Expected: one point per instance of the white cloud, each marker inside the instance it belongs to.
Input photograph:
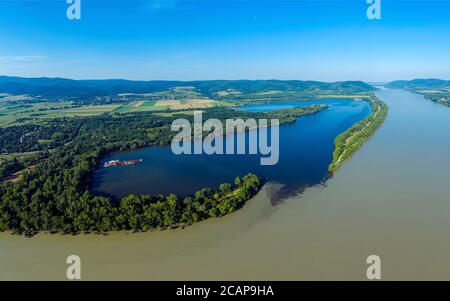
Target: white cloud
(22, 58)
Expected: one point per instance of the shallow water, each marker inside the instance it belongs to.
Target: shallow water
(390, 199)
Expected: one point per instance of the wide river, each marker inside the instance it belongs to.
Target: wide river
(390, 199)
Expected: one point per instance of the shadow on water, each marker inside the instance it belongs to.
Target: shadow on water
(284, 191)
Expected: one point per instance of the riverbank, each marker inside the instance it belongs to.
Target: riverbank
(123, 255)
(352, 139)
(397, 208)
(442, 98)
(382, 201)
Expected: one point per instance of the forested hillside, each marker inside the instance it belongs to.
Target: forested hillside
(60, 87)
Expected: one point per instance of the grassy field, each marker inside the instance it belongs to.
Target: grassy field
(4, 97)
(187, 104)
(17, 155)
(84, 111)
(140, 106)
(18, 113)
(15, 114)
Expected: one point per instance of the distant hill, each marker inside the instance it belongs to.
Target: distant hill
(416, 84)
(436, 90)
(62, 87)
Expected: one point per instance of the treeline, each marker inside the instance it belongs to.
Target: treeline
(99, 214)
(352, 139)
(291, 115)
(442, 98)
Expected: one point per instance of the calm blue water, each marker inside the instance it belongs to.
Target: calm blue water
(306, 149)
(288, 105)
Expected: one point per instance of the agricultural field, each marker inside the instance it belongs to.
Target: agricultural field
(189, 104)
(13, 113)
(5, 97)
(25, 112)
(84, 111)
(140, 106)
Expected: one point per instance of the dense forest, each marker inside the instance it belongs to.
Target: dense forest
(53, 195)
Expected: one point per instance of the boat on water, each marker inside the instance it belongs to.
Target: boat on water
(113, 163)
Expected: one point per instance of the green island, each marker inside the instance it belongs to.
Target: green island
(352, 139)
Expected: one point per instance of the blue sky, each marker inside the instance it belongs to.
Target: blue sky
(190, 40)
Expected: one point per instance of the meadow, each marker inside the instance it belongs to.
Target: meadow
(20, 113)
(13, 113)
